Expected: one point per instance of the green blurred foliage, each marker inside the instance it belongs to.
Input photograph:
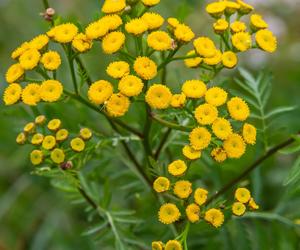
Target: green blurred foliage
(36, 216)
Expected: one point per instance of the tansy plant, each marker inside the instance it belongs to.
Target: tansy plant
(211, 123)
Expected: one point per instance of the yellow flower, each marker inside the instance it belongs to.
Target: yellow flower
(200, 196)
(96, 30)
(184, 33)
(157, 245)
(85, 133)
(238, 109)
(206, 114)
(30, 59)
(37, 139)
(82, 43)
(192, 62)
(14, 73)
(178, 100)
(194, 89)
(214, 217)
(219, 155)
(231, 7)
(51, 60)
(266, 40)
(118, 69)
(153, 20)
(252, 204)
(161, 184)
(150, 2)
(216, 9)
(205, 47)
(244, 7)
(234, 146)
(113, 6)
(77, 144)
(159, 40)
(241, 41)
(29, 128)
(238, 208)
(54, 124)
(49, 142)
(39, 120)
(57, 156)
(168, 213)
(51, 90)
(136, 26)
(216, 96)
(177, 168)
(220, 26)
(100, 91)
(36, 157)
(183, 189)
(173, 22)
(145, 68)
(229, 59)
(117, 105)
(130, 86)
(249, 133)
(31, 94)
(21, 138)
(257, 22)
(159, 96)
(200, 138)
(65, 33)
(238, 26)
(112, 21)
(113, 42)
(216, 59)
(222, 128)
(242, 195)
(12, 94)
(173, 245)
(193, 213)
(62, 135)
(20, 50)
(190, 153)
(39, 42)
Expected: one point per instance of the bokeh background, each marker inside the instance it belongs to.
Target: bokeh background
(34, 215)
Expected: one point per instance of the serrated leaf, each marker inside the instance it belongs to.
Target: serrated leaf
(278, 111)
(294, 174)
(294, 148)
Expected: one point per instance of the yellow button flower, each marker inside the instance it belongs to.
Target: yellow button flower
(64, 33)
(30, 59)
(205, 47)
(238, 208)
(194, 89)
(86, 133)
(216, 59)
(100, 91)
(184, 33)
(200, 138)
(136, 26)
(161, 184)
(178, 100)
(219, 154)
(37, 139)
(173, 245)
(241, 41)
(229, 59)
(257, 22)
(159, 40)
(118, 69)
(222, 128)
(216, 96)
(39, 42)
(49, 142)
(39, 120)
(14, 73)
(249, 133)
(238, 109)
(77, 144)
(159, 96)
(117, 105)
(113, 6)
(150, 3)
(234, 146)
(54, 124)
(192, 62)
(61, 135)
(238, 26)
(130, 86)
(177, 168)
(168, 213)
(145, 68)
(113, 42)
(21, 138)
(12, 94)
(51, 60)
(183, 189)
(266, 40)
(216, 9)
(220, 26)
(96, 30)
(244, 7)
(36, 157)
(206, 114)
(29, 128)
(82, 43)
(51, 90)
(214, 217)
(31, 94)
(193, 213)
(153, 20)
(57, 156)
(200, 196)
(157, 245)
(242, 195)
(190, 153)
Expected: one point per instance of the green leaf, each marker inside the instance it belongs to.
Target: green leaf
(279, 111)
(294, 148)
(294, 174)
(95, 229)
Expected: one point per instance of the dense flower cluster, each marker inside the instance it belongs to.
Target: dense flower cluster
(54, 147)
(218, 121)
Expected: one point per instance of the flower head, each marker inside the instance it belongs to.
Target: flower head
(51, 60)
(157, 245)
(77, 144)
(14, 73)
(216, 59)
(57, 156)
(113, 6)
(159, 96)
(64, 33)
(257, 22)
(130, 86)
(136, 26)
(216, 96)
(159, 40)
(214, 217)
(184, 33)
(190, 153)
(118, 69)
(36, 157)
(216, 9)
(173, 245)
(117, 105)
(37, 139)
(234, 146)
(85, 133)
(229, 59)
(220, 26)
(238, 109)
(178, 100)
(252, 204)
(206, 114)
(30, 59)
(161, 184)
(153, 20)
(194, 89)
(150, 3)
(249, 133)
(54, 124)
(222, 128)
(183, 189)
(145, 68)
(49, 142)
(31, 94)
(193, 212)
(62, 135)
(200, 196)
(241, 41)
(113, 42)
(266, 40)
(82, 43)
(168, 213)
(192, 62)
(219, 154)
(205, 47)
(96, 30)
(51, 90)
(238, 26)
(200, 138)
(12, 94)
(242, 195)
(39, 42)
(177, 168)
(238, 208)
(100, 91)
(244, 7)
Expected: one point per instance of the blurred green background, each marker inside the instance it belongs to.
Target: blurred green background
(34, 215)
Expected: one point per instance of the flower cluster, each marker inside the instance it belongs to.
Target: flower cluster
(54, 147)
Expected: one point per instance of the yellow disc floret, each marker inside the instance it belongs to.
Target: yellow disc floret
(159, 40)
(145, 68)
(238, 109)
(194, 89)
(222, 128)
(118, 69)
(193, 213)
(12, 94)
(117, 105)
(242, 195)
(100, 91)
(238, 208)
(113, 42)
(31, 94)
(51, 60)
(200, 196)
(206, 114)
(161, 184)
(183, 189)
(177, 168)
(266, 40)
(14, 73)
(168, 213)
(249, 133)
(159, 96)
(130, 86)
(30, 59)
(200, 138)
(234, 146)
(215, 217)
(77, 144)
(51, 90)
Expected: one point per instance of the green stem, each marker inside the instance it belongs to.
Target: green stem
(83, 69)
(72, 69)
(170, 124)
(162, 143)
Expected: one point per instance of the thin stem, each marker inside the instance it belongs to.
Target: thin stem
(168, 59)
(170, 124)
(253, 166)
(72, 69)
(46, 4)
(162, 143)
(83, 69)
